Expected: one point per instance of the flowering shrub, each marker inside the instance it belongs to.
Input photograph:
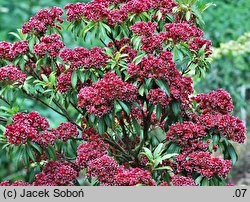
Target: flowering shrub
(132, 116)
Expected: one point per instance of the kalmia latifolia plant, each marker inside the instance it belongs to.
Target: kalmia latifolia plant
(131, 115)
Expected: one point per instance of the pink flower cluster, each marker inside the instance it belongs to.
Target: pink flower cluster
(56, 174)
(182, 181)
(152, 67)
(98, 10)
(82, 57)
(150, 41)
(219, 101)
(197, 43)
(9, 51)
(43, 20)
(105, 168)
(158, 96)
(64, 82)
(132, 177)
(50, 45)
(227, 125)
(16, 183)
(66, 130)
(188, 136)
(99, 98)
(205, 164)
(10, 74)
(182, 31)
(29, 126)
(89, 151)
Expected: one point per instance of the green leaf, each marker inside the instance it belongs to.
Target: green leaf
(125, 107)
(199, 179)
(101, 126)
(163, 85)
(168, 156)
(232, 153)
(188, 15)
(205, 182)
(74, 79)
(136, 126)
(158, 111)
(164, 168)
(158, 150)
(30, 153)
(148, 153)
(176, 108)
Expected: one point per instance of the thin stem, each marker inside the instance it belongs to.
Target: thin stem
(6, 101)
(2, 119)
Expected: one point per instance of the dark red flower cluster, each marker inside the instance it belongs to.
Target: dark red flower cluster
(182, 31)
(50, 45)
(116, 16)
(64, 83)
(82, 57)
(89, 151)
(10, 74)
(205, 164)
(132, 177)
(125, 47)
(104, 168)
(99, 98)
(66, 130)
(95, 11)
(150, 41)
(227, 125)
(197, 43)
(137, 6)
(90, 135)
(152, 67)
(158, 96)
(42, 20)
(144, 28)
(9, 51)
(56, 174)
(29, 126)
(188, 136)
(19, 48)
(5, 50)
(182, 181)
(16, 183)
(75, 11)
(219, 101)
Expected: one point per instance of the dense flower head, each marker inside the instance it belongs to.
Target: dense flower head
(158, 96)
(82, 57)
(227, 125)
(133, 177)
(136, 6)
(205, 164)
(188, 136)
(218, 100)
(42, 20)
(5, 50)
(99, 98)
(56, 174)
(50, 45)
(16, 183)
(19, 48)
(64, 83)
(152, 67)
(182, 31)
(153, 42)
(74, 11)
(144, 28)
(116, 16)
(90, 135)
(89, 151)
(66, 130)
(182, 181)
(95, 11)
(11, 74)
(104, 168)
(197, 43)
(29, 126)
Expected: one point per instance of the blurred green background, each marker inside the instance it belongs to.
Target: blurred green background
(227, 25)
